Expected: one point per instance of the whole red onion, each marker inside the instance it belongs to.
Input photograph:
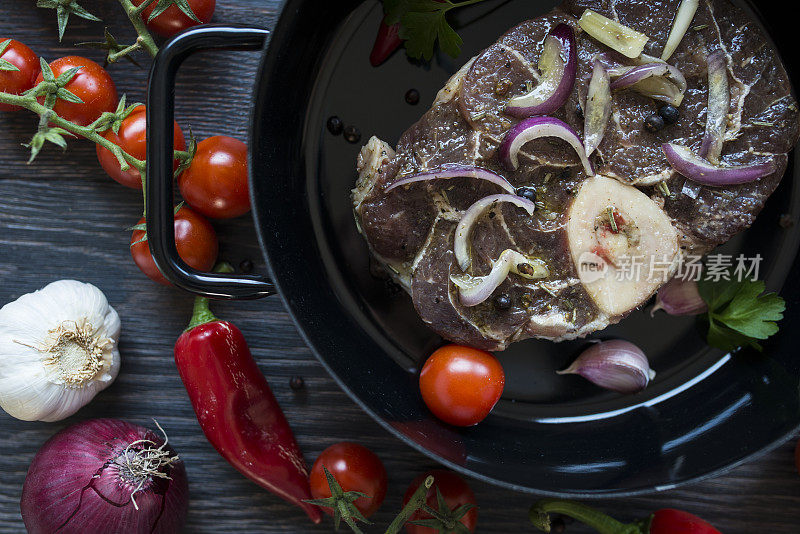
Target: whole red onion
(105, 475)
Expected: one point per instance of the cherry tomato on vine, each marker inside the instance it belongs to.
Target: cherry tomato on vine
(356, 468)
(17, 82)
(132, 138)
(215, 184)
(456, 493)
(461, 385)
(92, 84)
(173, 20)
(196, 241)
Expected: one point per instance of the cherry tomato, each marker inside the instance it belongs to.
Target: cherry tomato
(133, 140)
(356, 468)
(461, 385)
(454, 489)
(17, 81)
(196, 240)
(215, 184)
(92, 84)
(173, 20)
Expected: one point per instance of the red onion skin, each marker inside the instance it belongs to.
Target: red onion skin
(455, 171)
(61, 494)
(504, 152)
(565, 36)
(714, 136)
(706, 173)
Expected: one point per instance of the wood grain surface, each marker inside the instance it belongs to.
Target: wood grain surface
(63, 218)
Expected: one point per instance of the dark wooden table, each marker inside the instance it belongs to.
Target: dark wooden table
(63, 218)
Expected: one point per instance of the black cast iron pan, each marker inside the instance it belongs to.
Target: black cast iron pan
(706, 411)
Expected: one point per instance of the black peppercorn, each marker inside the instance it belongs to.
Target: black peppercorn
(335, 125)
(412, 97)
(352, 134)
(669, 113)
(297, 383)
(528, 193)
(503, 302)
(579, 110)
(246, 266)
(654, 123)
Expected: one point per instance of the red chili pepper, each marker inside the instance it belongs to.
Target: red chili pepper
(670, 521)
(666, 521)
(237, 410)
(387, 41)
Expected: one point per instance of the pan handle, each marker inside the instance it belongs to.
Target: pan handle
(159, 195)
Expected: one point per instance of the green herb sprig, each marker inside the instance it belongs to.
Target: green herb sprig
(740, 313)
(423, 23)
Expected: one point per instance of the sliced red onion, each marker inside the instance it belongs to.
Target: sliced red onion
(719, 100)
(679, 297)
(105, 475)
(648, 70)
(536, 128)
(472, 290)
(455, 172)
(559, 66)
(598, 108)
(661, 89)
(617, 365)
(656, 80)
(614, 35)
(680, 26)
(473, 213)
(701, 171)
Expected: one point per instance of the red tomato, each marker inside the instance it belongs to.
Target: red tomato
(17, 81)
(173, 20)
(196, 240)
(454, 489)
(215, 184)
(356, 468)
(92, 84)
(132, 139)
(461, 385)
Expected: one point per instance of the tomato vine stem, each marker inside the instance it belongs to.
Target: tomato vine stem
(145, 40)
(47, 115)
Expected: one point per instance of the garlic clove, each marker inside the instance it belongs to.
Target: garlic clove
(679, 297)
(617, 365)
(58, 349)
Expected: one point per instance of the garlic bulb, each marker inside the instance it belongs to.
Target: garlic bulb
(58, 349)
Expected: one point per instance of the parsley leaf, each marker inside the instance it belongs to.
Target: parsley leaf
(740, 313)
(423, 23)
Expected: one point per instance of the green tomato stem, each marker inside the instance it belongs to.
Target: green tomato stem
(134, 14)
(113, 57)
(417, 500)
(47, 115)
(345, 514)
(540, 512)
